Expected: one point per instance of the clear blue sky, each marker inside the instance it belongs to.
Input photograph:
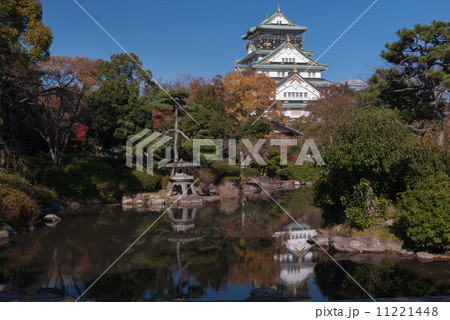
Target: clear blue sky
(202, 38)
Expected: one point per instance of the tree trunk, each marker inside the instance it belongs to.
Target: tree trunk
(175, 141)
(175, 137)
(439, 123)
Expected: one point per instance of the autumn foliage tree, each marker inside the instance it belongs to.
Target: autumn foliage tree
(206, 107)
(249, 94)
(61, 102)
(336, 104)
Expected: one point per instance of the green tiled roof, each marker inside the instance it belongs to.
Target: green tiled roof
(283, 27)
(307, 52)
(250, 55)
(268, 26)
(290, 66)
(274, 27)
(321, 82)
(266, 21)
(294, 104)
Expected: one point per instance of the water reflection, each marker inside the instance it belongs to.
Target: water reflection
(183, 221)
(200, 253)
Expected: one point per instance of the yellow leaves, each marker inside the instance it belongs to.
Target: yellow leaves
(22, 30)
(249, 94)
(38, 38)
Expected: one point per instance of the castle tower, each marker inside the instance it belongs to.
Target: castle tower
(274, 47)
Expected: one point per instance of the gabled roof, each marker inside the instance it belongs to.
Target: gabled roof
(299, 77)
(268, 25)
(285, 44)
(282, 128)
(315, 83)
(253, 53)
(274, 15)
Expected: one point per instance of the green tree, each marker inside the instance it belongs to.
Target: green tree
(24, 39)
(120, 104)
(22, 32)
(206, 107)
(170, 102)
(371, 146)
(418, 80)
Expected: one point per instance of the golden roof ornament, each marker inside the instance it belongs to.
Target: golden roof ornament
(287, 38)
(278, 8)
(267, 15)
(295, 68)
(236, 64)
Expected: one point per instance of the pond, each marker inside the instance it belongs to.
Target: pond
(219, 252)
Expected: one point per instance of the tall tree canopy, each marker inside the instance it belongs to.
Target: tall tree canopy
(119, 104)
(24, 39)
(206, 107)
(418, 80)
(21, 30)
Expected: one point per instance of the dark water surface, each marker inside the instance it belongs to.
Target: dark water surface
(215, 253)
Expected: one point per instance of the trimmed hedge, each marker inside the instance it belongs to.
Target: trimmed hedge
(223, 169)
(424, 213)
(250, 172)
(234, 180)
(304, 172)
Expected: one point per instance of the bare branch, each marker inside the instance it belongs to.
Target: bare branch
(412, 127)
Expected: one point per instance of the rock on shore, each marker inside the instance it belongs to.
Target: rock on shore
(363, 244)
(348, 245)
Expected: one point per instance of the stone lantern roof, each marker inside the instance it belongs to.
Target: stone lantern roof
(181, 164)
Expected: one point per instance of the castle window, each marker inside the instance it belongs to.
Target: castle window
(305, 94)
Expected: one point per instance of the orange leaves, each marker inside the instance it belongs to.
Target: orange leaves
(76, 71)
(249, 94)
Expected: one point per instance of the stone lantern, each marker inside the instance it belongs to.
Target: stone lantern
(181, 178)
